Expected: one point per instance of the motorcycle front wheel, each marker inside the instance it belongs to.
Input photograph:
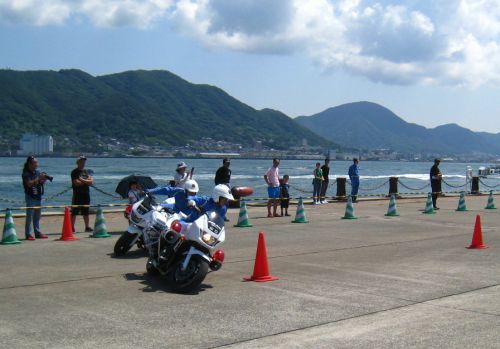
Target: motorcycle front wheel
(123, 244)
(184, 281)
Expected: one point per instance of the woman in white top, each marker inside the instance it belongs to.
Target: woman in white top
(181, 175)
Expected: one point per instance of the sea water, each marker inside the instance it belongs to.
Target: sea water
(109, 171)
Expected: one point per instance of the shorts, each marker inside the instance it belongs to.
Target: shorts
(80, 200)
(273, 192)
(285, 202)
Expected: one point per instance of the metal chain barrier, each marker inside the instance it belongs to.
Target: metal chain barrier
(370, 189)
(489, 186)
(455, 186)
(10, 201)
(300, 189)
(52, 197)
(417, 189)
(106, 193)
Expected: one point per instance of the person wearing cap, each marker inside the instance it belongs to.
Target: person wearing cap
(181, 175)
(81, 180)
(435, 176)
(223, 174)
(354, 177)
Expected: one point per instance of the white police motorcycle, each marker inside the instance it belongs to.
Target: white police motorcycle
(182, 252)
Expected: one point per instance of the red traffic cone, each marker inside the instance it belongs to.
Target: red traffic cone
(67, 228)
(260, 268)
(477, 237)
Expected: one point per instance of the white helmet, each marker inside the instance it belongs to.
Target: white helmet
(222, 190)
(191, 185)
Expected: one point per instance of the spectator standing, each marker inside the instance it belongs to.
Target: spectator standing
(436, 177)
(354, 177)
(223, 174)
(181, 175)
(81, 180)
(284, 195)
(272, 179)
(134, 192)
(326, 171)
(33, 181)
(317, 183)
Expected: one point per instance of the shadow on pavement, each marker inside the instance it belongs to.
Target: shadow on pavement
(158, 284)
(134, 254)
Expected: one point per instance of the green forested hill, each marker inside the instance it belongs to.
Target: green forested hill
(138, 107)
(368, 125)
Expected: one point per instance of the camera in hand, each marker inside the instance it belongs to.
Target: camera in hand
(50, 178)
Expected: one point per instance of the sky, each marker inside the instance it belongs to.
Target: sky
(430, 62)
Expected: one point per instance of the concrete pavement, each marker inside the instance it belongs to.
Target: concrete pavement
(400, 282)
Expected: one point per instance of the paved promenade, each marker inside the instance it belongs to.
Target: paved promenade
(374, 282)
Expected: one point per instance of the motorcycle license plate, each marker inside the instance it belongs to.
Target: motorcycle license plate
(214, 228)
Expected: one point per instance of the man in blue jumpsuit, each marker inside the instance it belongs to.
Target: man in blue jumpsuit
(217, 203)
(354, 177)
(181, 196)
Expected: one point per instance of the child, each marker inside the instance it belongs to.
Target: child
(284, 194)
(134, 192)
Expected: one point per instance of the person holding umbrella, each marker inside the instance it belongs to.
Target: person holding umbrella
(131, 187)
(134, 193)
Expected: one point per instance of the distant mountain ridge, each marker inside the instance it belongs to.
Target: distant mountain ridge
(138, 107)
(366, 125)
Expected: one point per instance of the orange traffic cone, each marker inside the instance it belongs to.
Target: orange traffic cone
(67, 228)
(260, 268)
(477, 237)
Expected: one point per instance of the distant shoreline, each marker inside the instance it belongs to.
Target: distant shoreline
(218, 158)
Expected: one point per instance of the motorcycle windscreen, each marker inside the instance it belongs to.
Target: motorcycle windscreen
(215, 222)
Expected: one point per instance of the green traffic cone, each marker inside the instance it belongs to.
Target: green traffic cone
(349, 209)
(9, 236)
(100, 230)
(243, 221)
(392, 211)
(461, 203)
(429, 209)
(491, 203)
(300, 215)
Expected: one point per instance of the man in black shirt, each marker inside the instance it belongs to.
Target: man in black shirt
(223, 174)
(436, 176)
(324, 186)
(80, 181)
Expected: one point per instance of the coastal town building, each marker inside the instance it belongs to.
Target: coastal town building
(33, 144)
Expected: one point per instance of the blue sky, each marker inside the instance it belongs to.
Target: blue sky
(431, 62)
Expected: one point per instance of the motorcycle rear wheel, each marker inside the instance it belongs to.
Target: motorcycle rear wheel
(184, 281)
(123, 244)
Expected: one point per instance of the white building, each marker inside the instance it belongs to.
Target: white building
(35, 144)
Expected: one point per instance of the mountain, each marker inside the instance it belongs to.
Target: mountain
(135, 107)
(365, 125)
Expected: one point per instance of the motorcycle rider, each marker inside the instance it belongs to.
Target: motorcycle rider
(181, 196)
(218, 202)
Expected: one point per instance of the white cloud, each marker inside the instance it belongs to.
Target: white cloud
(104, 13)
(34, 11)
(395, 42)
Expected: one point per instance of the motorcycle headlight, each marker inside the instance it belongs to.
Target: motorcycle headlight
(208, 239)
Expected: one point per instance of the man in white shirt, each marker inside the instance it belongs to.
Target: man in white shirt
(272, 179)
